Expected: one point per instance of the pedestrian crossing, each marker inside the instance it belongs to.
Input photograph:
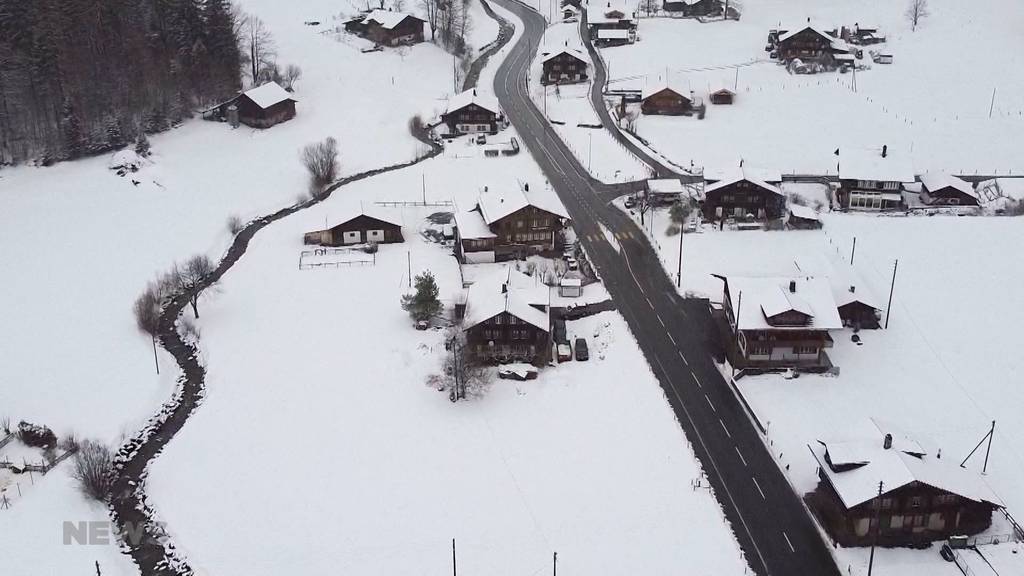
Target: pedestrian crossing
(619, 235)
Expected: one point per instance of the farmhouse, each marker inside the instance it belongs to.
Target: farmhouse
(872, 179)
(692, 8)
(610, 16)
(260, 107)
(809, 44)
(923, 498)
(780, 322)
(742, 195)
(668, 98)
(564, 67)
(507, 318)
(938, 189)
(508, 224)
(360, 227)
(388, 28)
(470, 112)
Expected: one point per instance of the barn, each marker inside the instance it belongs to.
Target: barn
(361, 227)
(723, 96)
(261, 107)
(667, 98)
(387, 28)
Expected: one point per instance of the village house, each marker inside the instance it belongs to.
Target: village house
(509, 224)
(873, 179)
(742, 195)
(779, 322)
(259, 107)
(882, 484)
(469, 112)
(565, 66)
(388, 28)
(609, 16)
(939, 189)
(693, 8)
(857, 306)
(507, 318)
(810, 44)
(672, 98)
(361, 226)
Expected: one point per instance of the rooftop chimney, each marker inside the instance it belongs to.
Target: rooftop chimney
(526, 187)
(887, 443)
(853, 289)
(792, 286)
(504, 287)
(808, 19)
(885, 150)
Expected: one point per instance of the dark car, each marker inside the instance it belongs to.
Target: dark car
(582, 353)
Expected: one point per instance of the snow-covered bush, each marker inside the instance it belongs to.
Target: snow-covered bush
(35, 435)
(94, 470)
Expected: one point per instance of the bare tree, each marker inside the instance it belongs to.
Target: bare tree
(291, 75)
(463, 375)
(398, 5)
(432, 11)
(321, 159)
(191, 278)
(94, 470)
(148, 307)
(916, 10)
(258, 43)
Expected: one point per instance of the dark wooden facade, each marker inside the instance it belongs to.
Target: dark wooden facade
(359, 230)
(251, 114)
(564, 68)
(741, 198)
(667, 102)
(947, 196)
(505, 337)
(859, 315)
(722, 96)
(692, 9)
(471, 118)
(408, 31)
(912, 514)
(528, 230)
(808, 45)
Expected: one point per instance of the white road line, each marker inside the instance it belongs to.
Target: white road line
(695, 379)
(791, 549)
(684, 360)
(740, 454)
(649, 302)
(763, 497)
(724, 428)
(710, 404)
(662, 323)
(672, 339)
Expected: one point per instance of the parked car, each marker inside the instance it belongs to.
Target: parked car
(481, 139)
(518, 371)
(630, 202)
(573, 263)
(582, 352)
(564, 353)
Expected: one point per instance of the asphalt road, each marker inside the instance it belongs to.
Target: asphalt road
(772, 526)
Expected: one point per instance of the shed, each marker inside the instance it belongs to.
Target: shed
(671, 98)
(723, 96)
(803, 218)
(262, 106)
(570, 287)
(945, 189)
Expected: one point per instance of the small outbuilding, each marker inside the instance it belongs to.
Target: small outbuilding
(938, 189)
(570, 287)
(723, 96)
(259, 107)
(363, 227)
(803, 218)
(388, 28)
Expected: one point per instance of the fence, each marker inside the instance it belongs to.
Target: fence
(396, 204)
(359, 258)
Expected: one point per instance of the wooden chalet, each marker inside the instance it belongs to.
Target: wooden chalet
(260, 107)
(939, 189)
(723, 96)
(609, 16)
(781, 322)
(743, 196)
(809, 44)
(923, 497)
(388, 28)
(469, 112)
(873, 179)
(667, 98)
(566, 66)
(693, 8)
(857, 306)
(359, 227)
(507, 319)
(509, 224)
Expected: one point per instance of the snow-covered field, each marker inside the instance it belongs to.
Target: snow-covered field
(932, 102)
(319, 431)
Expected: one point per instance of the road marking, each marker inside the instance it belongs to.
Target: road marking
(695, 379)
(649, 303)
(710, 404)
(763, 497)
(663, 324)
(684, 361)
(740, 454)
(791, 549)
(672, 339)
(724, 428)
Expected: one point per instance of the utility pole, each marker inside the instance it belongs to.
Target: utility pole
(554, 565)
(408, 255)
(874, 541)
(739, 306)
(455, 571)
(992, 105)
(891, 289)
(736, 82)
(424, 176)
(679, 271)
(991, 435)
(590, 149)
(854, 251)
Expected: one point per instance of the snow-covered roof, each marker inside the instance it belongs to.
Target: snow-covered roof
(471, 226)
(266, 95)
(575, 53)
(508, 290)
(497, 204)
(847, 285)
(796, 31)
(353, 211)
(388, 19)
(598, 11)
(861, 164)
(803, 212)
(743, 168)
(905, 462)
(770, 296)
(665, 186)
(679, 86)
(571, 282)
(612, 34)
(472, 96)
(742, 174)
(937, 180)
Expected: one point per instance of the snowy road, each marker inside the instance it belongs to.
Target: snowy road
(771, 524)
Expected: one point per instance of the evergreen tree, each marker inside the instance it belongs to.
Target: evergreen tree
(115, 136)
(71, 128)
(423, 304)
(142, 147)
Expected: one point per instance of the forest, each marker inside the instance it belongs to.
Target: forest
(81, 77)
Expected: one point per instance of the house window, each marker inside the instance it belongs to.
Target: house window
(896, 522)
(760, 350)
(945, 499)
(805, 349)
(890, 186)
(886, 503)
(915, 501)
(519, 223)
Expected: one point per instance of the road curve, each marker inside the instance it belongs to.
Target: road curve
(773, 528)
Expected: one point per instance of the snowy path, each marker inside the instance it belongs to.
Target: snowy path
(155, 555)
